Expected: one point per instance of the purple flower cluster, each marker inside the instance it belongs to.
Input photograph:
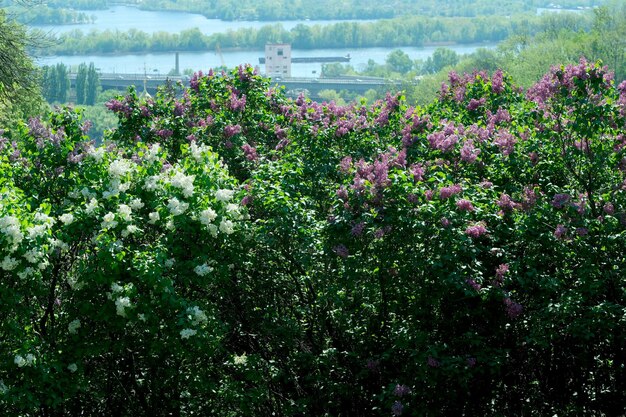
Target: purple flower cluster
(477, 230)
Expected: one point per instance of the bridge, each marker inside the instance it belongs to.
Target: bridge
(293, 86)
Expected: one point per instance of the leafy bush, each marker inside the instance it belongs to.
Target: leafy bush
(232, 252)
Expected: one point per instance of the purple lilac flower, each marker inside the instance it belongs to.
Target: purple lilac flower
(476, 230)
(513, 309)
(345, 165)
(432, 362)
(447, 192)
(397, 408)
(582, 231)
(476, 286)
(468, 152)
(497, 82)
(560, 200)
(560, 231)
(231, 130)
(401, 390)
(609, 208)
(357, 229)
(505, 141)
(341, 250)
(506, 204)
(464, 205)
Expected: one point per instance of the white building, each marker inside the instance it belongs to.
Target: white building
(278, 60)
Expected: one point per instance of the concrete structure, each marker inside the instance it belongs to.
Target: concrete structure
(278, 60)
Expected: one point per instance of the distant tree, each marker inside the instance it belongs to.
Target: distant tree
(81, 81)
(91, 87)
(399, 61)
(442, 57)
(62, 83)
(20, 94)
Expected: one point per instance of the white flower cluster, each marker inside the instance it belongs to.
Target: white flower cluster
(119, 168)
(154, 217)
(203, 270)
(10, 227)
(224, 195)
(124, 212)
(184, 182)
(20, 361)
(197, 151)
(3, 387)
(72, 367)
(197, 315)
(151, 183)
(33, 255)
(91, 206)
(96, 153)
(66, 218)
(40, 229)
(108, 221)
(73, 326)
(9, 263)
(207, 216)
(177, 207)
(187, 333)
(131, 229)
(226, 226)
(136, 204)
(26, 272)
(121, 304)
(152, 154)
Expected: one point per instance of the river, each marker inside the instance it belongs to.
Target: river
(125, 17)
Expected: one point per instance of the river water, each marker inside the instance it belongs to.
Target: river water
(125, 17)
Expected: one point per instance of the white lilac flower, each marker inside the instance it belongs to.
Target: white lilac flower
(124, 187)
(108, 221)
(43, 264)
(240, 360)
(187, 333)
(170, 225)
(96, 153)
(197, 151)
(119, 168)
(184, 182)
(26, 272)
(9, 263)
(213, 230)
(151, 183)
(141, 316)
(33, 256)
(154, 217)
(153, 153)
(91, 206)
(19, 361)
(66, 218)
(197, 315)
(130, 229)
(86, 193)
(177, 207)
(226, 226)
(169, 263)
(207, 216)
(30, 359)
(10, 226)
(44, 218)
(203, 270)
(72, 367)
(115, 288)
(58, 243)
(125, 212)
(136, 204)
(73, 326)
(3, 387)
(37, 231)
(224, 195)
(121, 304)
(233, 211)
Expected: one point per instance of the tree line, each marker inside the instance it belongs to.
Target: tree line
(55, 84)
(406, 31)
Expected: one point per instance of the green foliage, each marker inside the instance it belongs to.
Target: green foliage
(232, 252)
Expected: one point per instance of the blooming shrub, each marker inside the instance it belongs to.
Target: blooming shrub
(232, 252)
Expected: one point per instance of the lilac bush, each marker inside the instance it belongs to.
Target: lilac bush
(229, 251)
